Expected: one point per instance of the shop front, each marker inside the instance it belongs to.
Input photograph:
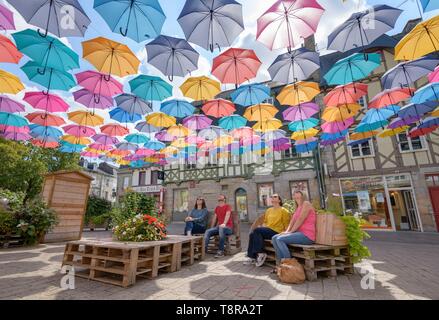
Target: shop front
(383, 202)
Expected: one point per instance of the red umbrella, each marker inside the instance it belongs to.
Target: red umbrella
(346, 94)
(418, 132)
(218, 108)
(114, 130)
(8, 51)
(236, 66)
(390, 97)
(44, 144)
(79, 131)
(46, 102)
(45, 119)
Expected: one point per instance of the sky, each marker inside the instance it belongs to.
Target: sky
(336, 12)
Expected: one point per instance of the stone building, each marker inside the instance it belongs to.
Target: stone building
(104, 184)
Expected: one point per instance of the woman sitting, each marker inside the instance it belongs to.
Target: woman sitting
(301, 230)
(196, 221)
(275, 220)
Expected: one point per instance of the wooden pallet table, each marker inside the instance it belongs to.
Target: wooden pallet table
(120, 263)
(316, 259)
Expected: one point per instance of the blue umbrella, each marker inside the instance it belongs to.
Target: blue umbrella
(68, 147)
(429, 122)
(137, 138)
(124, 117)
(232, 122)
(177, 108)
(155, 145)
(357, 142)
(334, 136)
(427, 93)
(429, 5)
(306, 147)
(303, 124)
(40, 132)
(353, 68)
(150, 88)
(382, 114)
(371, 126)
(250, 94)
(50, 79)
(416, 110)
(137, 19)
(138, 164)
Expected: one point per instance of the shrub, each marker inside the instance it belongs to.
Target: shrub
(355, 236)
(140, 228)
(8, 222)
(132, 204)
(290, 205)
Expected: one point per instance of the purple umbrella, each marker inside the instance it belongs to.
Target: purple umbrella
(164, 136)
(398, 122)
(279, 144)
(332, 142)
(197, 122)
(301, 112)
(88, 99)
(10, 106)
(17, 136)
(417, 110)
(337, 126)
(104, 139)
(6, 19)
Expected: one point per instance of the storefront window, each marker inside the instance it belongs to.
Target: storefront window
(181, 201)
(265, 190)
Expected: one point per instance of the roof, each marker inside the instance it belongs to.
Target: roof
(63, 172)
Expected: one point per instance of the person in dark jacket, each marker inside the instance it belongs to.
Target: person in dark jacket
(196, 221)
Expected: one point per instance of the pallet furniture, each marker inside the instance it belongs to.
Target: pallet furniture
(121, 263)
(232, 243)
(316, 259)
(10, 241)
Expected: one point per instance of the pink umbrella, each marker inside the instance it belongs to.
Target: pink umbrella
(197, 122)
(44, 144)
(79, 131)
(46, 102)
(89, 100)
(10, 106)
(96, 82)
(100, 147)
(337, 126)
(105, 139)
(247, 141)
(434, 76)
(17, 136)
(301, 112)
(144, 152)
(6, 19)
(5, 128)
(89, 154)
(194, 140)
(242, 133)
(288, 22)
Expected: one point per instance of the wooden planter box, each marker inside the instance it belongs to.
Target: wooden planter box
(331, 230)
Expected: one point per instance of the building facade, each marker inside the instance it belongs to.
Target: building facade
(104, 184)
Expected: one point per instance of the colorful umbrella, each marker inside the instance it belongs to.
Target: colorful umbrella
(154, 145)
(306, 145)
(150, 88)
(435, 113)
(429, 122)
(250, 94)
(232, 122)
(393, 132)
(337, 126)
(279, 144)
(375, 115)
(137, 19)
(70, 147)
(137, 138)
(260, 112)
(46, 102)
(354, 143)
(8, 51)
(91, 100)
(303, 124)
(434, 76)
(197, 122)
(214, 132)
(417, 110)
(16, 136)
(85, 118)
(345, 94)
(9, 119)
(123, 116)
(99, 147)
(236, 66)
(355, 67)
(398, 122)
(362, 135)
(363, 28)
(297, 93)
(429, 5)
(76, 140)
(10, 83)
(304, 134)
(79, 131)
(160, 119)
(45, 144)
(294, 66)
(427, 93)
(114, 130)
(172, 56)
(50, 79)
(274, 135)
(145, 127)
(218, 108)
(10, 106)
(127, 146)
(164, 136)
(177, 108)
(105, 139)
(47, 133)
(288, 22)
(200, 88)
(133, 104)
(390, 97)
(110, 57)
(340, 113)
(267, 125)
(6, 128)
(45, 119)
(6, 18)
(419, 132)
(99, 84)
(211, 23)
(420, 41)
(178, 131)
(48, 52)
(301, 112)
(371, 126)
(53, 16)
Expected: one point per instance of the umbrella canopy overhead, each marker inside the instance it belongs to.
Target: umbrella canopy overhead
(174, 57)
(200, 88)
(301, 111)
(46, 102)
(177, 108)
(250, 94)
(232, 122)
(6, 18)
(340, 113)
(8, 51)
(297, 93)
(46, 15)
(305, 124)
(390, 97)
(197, 122)
(363, 28)
(145, 127)
(79, 130)
(160, 119)
(288, 22)
(85, 118)
(122, 116)
(91, 100)
(45, 119)
(211, 23)
(99, 83)
(218, 108)
(52, 79)
(337, 126)
(260, 112)
(345, 94)
(10, 106)
(9, 119)
(137, 19)
(267, 125)
(104, 139)
(10, 83)
(427, 93)
(150, 88)
(133, 104)
(417, 110)
(429, 5)
(114, 130)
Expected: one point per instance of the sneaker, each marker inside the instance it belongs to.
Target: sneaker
(219, 254)
(261, 259)
(249, 261)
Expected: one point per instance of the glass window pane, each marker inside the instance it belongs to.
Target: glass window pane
(265, 190)
(416, 143)
(405, 146)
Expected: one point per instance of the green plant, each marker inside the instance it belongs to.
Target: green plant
(8, 222)
(132, 204)
(290, 205)
(140, 228)
(101, 220)
(356, 236)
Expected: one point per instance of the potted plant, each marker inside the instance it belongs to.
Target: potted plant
(141, 228)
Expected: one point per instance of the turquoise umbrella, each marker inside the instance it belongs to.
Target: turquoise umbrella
(150, 88)
(177, 108)
(13, 120)
(303, 124)
(353, 68)
(232, 122)
(47, 52)
(155, 145)
(371, 126)
(68, 147)
(51, 79)
(137, 138)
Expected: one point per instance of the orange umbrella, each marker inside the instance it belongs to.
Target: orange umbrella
(45, 119)
(218, 108)
(298, 93)
(76, 140)
(86, 118)
(340, 113)
(114, 129)
(8, 51)
(362, 135)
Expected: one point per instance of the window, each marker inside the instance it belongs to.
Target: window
(300, 186)
(290, 153)
(265, 190)
(407, 144)
(142, 178)
(181, 200)
(154, 177)
(126, 182)
(363, 102)
(269, 100)
(362, 150)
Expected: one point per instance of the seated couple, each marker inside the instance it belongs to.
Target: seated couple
(282, 229)
(196, 222)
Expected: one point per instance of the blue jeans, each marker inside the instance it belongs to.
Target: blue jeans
(256, 240)
(195, 228)
(222, 232)
(281, 242)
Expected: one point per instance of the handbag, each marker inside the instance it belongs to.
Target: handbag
(291, 271)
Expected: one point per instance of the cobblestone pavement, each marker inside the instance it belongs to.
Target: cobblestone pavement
(405, 266)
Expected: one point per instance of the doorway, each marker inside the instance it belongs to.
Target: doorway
(241, 204)
(404, 210)
(434, 197)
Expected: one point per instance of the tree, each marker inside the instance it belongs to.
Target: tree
(23, 166)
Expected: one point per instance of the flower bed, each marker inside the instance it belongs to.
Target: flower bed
(141, 228)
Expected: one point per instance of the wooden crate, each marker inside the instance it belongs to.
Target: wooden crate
(330, 230)
(67, 193)
(316, 259)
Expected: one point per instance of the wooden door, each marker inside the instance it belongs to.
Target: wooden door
(434, 196)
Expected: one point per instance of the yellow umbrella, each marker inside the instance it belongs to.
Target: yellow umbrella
(160, 119)
(123, 162)
(169, 150)
(200, 88)
(260, 112)
(298, 93)
(179, 143)
(393, 132)
(435, 113)
(223, 141)
(222, 155)
(267, 125)
(10, 83)
(304, 134)
(76, 140)
(341, 112)
(85, 118)
(179, 131)
(422, 40)
(110, 57)
(362, 135)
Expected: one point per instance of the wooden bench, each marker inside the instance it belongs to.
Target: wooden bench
(233, 241)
